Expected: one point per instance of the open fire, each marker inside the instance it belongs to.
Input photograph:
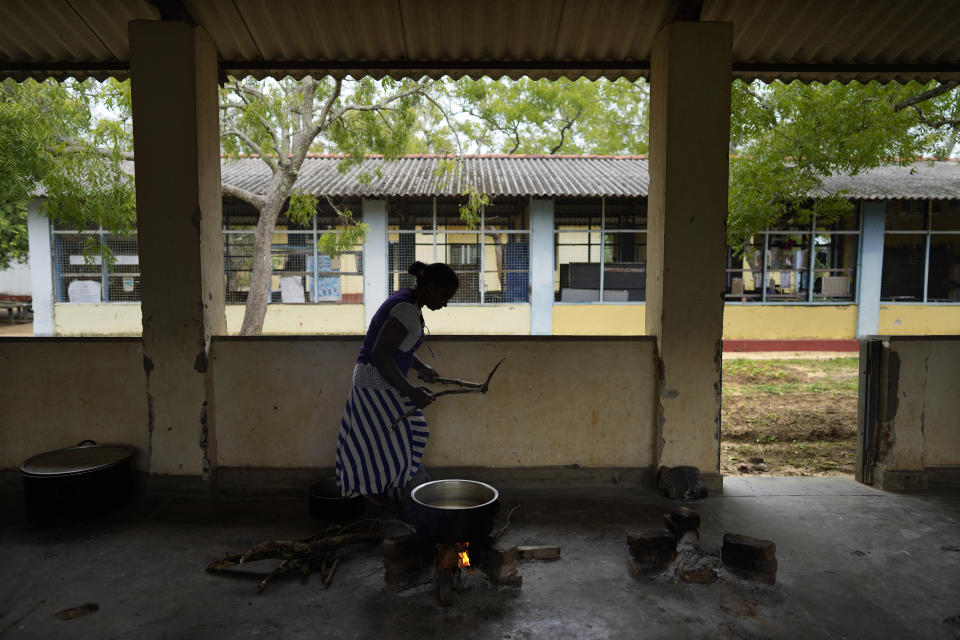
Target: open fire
(463, 557)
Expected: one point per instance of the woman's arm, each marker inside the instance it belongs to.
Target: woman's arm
(426, 372)
(387, 343)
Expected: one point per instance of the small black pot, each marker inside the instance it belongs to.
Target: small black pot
(326, 503)
(449, 511)
(77, 483)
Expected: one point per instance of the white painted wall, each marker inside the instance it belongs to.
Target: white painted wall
(16, 280)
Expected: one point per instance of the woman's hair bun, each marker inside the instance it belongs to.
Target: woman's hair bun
(417, 269)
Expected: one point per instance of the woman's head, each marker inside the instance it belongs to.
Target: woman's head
(436, 283)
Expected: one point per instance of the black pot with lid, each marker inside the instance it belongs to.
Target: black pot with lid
(77, 483)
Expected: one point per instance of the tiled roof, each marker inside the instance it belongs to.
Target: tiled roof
(494, 175)
(559, 177)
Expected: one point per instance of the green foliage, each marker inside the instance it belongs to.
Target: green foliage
(561, 116)
(13, 234)
(54, 139)
(349, 234)
(787, 137)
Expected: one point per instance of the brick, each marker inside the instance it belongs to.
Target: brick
(681, 520)
(652, 547)
(750, 558)
(539, 552)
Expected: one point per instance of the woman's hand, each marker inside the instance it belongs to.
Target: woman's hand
(421, 396)
(426, 373)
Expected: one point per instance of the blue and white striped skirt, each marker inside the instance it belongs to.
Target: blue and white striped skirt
(372, 458)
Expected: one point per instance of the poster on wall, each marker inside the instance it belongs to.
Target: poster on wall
(324, 288)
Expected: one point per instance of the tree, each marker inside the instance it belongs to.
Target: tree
(785, 138)
(52, 140)
(555, 117)
(280, 121)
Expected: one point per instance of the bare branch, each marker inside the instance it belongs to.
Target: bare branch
(339, 113)
(936, 124)
(325, 111)
(249, 197)
(253, 146)
(243, 92)
(946, 87)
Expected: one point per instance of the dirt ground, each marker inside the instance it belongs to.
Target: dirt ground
(789, 417)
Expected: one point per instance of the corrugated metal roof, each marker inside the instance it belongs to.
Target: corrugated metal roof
(558, 177)
(915, 181)
(807, 39)
(417, 176)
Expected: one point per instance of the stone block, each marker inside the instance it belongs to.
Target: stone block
(750, 558)
(682, 483)
(681, 520)
(652, 547)
(539, 552)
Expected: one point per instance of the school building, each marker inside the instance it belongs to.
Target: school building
(560, 250)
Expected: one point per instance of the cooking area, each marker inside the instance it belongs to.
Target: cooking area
(143, 568)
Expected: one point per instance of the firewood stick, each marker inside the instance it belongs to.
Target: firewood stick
(473, 387)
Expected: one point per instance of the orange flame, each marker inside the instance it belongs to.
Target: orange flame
(463, 558)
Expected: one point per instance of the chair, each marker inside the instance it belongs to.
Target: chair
(83, 291)
(291, 290)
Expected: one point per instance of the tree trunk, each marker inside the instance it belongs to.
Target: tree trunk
(262, 272)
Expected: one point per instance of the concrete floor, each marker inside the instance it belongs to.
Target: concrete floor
(854, 563)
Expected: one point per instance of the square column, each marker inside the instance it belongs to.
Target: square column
(541, 267)
(173, 70)
(870, 268)
(41, 268)
(689, 154)
(375, 250)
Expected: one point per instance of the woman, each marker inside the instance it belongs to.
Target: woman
(373, 458)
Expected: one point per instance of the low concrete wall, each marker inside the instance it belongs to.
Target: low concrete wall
(919, 319)
(789, 322)
(918, 428)
(59, 391)
(553, 402)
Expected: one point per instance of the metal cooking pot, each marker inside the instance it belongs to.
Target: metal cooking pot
(326, 503)
(76, 483)
(454, 510)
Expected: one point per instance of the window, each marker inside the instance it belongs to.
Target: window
(776, 266)
(491, 261)
(79, 279)
(301, 274)
(594, 232)
(921, 252)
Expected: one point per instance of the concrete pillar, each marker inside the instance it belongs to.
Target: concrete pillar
(173, 70)
(870, 268)
(41, 269)
(689, 149)
(541, 267)
(374, 258)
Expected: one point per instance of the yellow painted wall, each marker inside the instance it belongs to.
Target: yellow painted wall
(598, 319)
(767, 322)
(279, 401)
(57, 392)
(495, 319)
(283, 319)
(918, 319)
(82, 319)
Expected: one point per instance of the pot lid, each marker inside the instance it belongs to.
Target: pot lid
(79, 459)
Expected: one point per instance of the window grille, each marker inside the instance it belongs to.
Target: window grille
(492, 261)
(921, 252)
(301, 274)
(78, 278)
(775, 266)
(594, 232)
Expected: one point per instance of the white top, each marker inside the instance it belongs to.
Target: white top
(409, 316)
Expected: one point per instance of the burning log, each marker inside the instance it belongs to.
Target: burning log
(319, 552)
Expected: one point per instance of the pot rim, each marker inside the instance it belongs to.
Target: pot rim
(419, 503)
(125, 458)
